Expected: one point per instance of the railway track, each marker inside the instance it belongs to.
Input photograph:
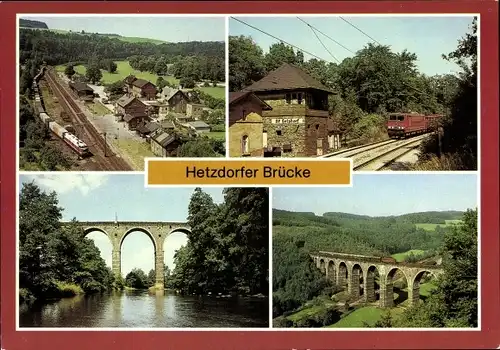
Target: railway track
(350, 152)
(103, 157)
(382, 160)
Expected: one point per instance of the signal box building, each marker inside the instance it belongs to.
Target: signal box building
(296, 126)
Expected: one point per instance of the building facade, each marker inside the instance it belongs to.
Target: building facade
(296, 126)
(246, 136)
(140, 88)
(131, 105)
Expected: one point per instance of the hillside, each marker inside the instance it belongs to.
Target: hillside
(27, 23)
(361, 234)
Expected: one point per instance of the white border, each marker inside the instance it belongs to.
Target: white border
(226, 16)
(218, 161)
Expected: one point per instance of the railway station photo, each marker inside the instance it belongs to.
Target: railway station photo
(102, 95)
(389, 101)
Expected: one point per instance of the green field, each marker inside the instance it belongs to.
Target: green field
(217, 92)
(217, 135)
(401, 256)
(98, 108)
(123, 70)
(368, 314)
(136, 151)
(130, 39)
(432, 227)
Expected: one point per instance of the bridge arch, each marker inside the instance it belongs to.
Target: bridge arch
(331, 271)
(356, 290)
(370, 283)
(343, 272)
(388, 298)
(322, 266)
(137, 229)
(415, 284)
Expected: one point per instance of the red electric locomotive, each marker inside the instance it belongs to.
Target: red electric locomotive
(402, 125)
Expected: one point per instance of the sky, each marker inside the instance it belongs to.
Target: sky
(384, 195)
(170, 29)
(99, 197)
(427, 37)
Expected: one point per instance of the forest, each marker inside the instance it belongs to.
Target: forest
(375, 81)
(194, 60)
(227, 251)
(297, 281)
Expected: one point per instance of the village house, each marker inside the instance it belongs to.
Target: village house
(165, 144)
(82, 90)
(194, 110)
(246, 129)
(131, 110)
(167, 125)
(140, 88)
(199, 126)
(145, 129)
(296, 126)
(176, 99)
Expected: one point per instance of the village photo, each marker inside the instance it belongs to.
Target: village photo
(393, 251)
(104, 92)
(390, 92)
(103, 251)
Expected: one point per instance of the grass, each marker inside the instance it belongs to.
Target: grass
(130, 39)
(401, 256)
(426, 288)
(135, 150)
(306, 312)
(368, 314)
(48, 100)
(446, 163)
(217, 92)
(432, 227)
(122, 71)
(97, 108)
(69, 289)
(217, 135)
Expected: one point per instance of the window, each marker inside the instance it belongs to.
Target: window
(288, 98)
(299, 98)
(264, 139)
(294, 96)
(317, 126)
(244, 114)
(278, 132)
(244, 145)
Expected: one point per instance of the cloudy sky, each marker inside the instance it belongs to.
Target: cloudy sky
(99, 197)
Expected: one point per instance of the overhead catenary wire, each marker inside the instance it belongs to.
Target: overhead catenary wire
(329, 37)
(279, 39)
(359, 30)
(321, 42)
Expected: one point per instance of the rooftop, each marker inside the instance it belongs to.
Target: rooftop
(287, 77)
(79, 86)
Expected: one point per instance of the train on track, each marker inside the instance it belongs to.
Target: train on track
(77, 145)
(402, 125)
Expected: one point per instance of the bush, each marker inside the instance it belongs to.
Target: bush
(282, 322)
(68, 289)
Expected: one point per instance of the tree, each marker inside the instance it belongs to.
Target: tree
(151, 277)
(93, 74)
(187, 83)
(137, 279)
(199, 147)
(69, 71)
(161, 83)
(246, 63)
(109, 65)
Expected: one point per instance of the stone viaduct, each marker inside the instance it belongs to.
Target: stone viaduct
(348, 269)
(117, 231)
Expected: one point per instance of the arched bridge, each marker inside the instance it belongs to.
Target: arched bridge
(358, 272)
(117, 231)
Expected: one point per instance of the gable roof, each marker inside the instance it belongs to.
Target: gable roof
(169, 92)
(141, 83)
(287, 77)
(235, 97)
(130, 79)
(164, 139)
(79, 86)
(125, 100)
(129, 117)
(199, 124)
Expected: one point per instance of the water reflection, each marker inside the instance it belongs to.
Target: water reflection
(143, 309)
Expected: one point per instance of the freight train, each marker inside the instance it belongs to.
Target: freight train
(77, 145)
(402, 125)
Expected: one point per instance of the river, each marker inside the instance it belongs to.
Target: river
(144, 309)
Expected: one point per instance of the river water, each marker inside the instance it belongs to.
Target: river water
(144, 309)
